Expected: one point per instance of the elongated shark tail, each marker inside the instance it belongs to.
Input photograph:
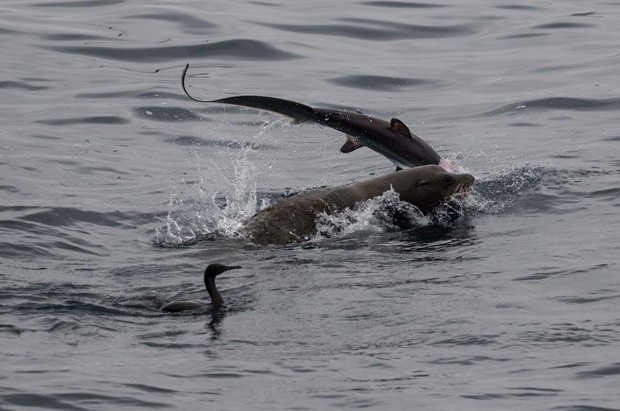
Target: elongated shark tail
(292, 109)
(287, 108)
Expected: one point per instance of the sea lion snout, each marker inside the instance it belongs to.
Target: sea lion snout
(466, 181)
(462, 183)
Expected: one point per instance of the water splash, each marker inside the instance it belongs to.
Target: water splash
(201, 209)
(213, 206)
(240, 199)
(500, 192)
(380, 214)
(387, 213)
(220, 205)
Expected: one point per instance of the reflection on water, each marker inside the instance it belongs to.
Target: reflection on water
(214, 326)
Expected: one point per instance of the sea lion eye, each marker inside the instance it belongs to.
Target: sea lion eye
(423, 183)
(448, 179)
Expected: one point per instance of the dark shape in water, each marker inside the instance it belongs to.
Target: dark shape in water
(212, 271)
(390, 139)
(293, 219)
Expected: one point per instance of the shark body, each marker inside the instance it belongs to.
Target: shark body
(391, 139)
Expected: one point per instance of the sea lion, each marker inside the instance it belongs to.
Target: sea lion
(391, 139)
(293, 219)
(212, 271)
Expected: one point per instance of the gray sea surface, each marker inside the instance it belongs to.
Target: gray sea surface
(116, 191)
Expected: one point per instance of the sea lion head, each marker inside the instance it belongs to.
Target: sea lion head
(427, 186)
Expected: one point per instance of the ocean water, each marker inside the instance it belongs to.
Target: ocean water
(116, 191)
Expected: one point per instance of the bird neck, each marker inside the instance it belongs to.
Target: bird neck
(216, 299)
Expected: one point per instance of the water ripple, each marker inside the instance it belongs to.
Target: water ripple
(189, 24)
(168, 113)
(201, 141)
(523, 36)
(72, 37)
(552, 272)
(567, 333)
(468, 339)
(10, 189)
(239, 49)
(80, 3)
(379, 83)
(516, 7)
(40, 233)
(21, 85)
(65, 216)
(107, 120)
(560, 103)
(39, 401)
(401, 4)
(521, 392)
(564, 25)
(374, 30)
(583, 408)
(605, 371)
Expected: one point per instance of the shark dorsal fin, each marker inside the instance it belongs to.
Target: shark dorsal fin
(350, 145)
(399, 127)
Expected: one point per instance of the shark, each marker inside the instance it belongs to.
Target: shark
(392, 139)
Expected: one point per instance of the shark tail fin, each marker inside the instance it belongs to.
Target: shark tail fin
(292, 109)
(297, 111)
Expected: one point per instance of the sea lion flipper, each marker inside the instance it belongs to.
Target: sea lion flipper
(350, 145)
(399, 127)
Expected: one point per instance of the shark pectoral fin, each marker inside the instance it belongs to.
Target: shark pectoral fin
(399, 127)
(350, 145)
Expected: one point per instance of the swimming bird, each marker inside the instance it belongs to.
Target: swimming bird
(212, 271)
(391, 139)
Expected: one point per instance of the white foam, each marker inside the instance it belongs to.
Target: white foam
(214, 204)
(376, 214)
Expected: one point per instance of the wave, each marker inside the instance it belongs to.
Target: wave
(105, 120)
(373, 30)
(401, 4)
(55, 231)
(559, 103)
(238, 49)
(380, 83)
(195, 141)
(172, 114)
(21, 85)
(80, 3)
